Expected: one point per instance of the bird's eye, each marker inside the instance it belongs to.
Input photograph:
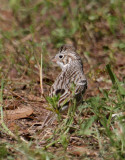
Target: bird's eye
(60, 56)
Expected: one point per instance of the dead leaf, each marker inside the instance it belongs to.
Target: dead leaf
(32, 97)
(18, 113)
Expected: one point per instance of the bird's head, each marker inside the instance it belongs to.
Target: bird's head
(66, 55)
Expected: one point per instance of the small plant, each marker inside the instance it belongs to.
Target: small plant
(54, 105)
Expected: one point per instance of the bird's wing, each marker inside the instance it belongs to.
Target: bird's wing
(70, 94)
(81, 86)
(64, 98)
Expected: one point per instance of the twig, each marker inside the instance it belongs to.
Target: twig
(16, 94)
(23, 140)
(41, 75)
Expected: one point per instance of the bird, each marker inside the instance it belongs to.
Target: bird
(71, 83)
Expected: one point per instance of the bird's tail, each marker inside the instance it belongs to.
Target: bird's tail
(50, 118)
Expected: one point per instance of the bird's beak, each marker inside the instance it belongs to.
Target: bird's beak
(54, 60)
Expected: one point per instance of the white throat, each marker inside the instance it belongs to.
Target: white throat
(63, 66)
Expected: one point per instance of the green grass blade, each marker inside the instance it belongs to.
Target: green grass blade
(108, 67)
